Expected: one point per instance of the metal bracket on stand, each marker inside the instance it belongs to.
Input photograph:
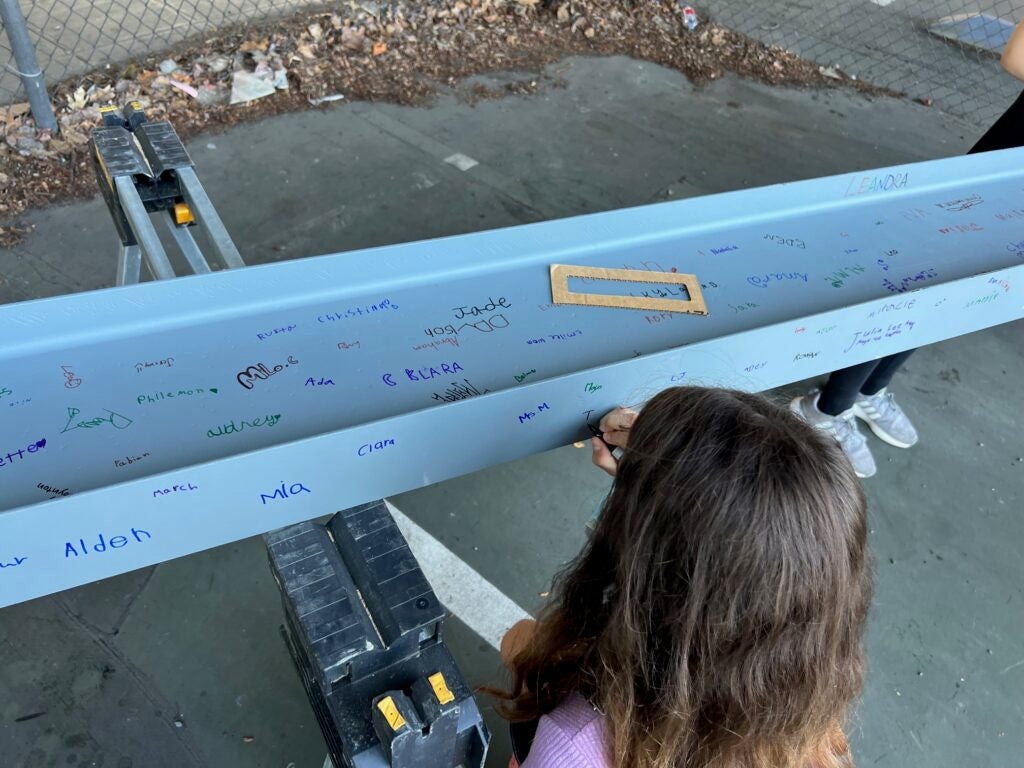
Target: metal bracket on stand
(364, 630)
(143, 169)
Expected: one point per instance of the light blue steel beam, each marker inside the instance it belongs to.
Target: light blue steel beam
(184, 414)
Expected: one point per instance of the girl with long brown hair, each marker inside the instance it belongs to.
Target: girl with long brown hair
(714, 617)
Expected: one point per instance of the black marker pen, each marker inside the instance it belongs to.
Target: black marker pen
(596, 432)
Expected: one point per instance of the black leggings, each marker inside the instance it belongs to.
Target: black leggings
(1006, 132)
(865, 379)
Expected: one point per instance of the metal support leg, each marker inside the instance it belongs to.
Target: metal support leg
(207, 216)
(28, 67)
(188, 246)
(142, 227)
(129, 264)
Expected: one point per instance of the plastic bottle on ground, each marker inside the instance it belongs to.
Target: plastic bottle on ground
(690, 17)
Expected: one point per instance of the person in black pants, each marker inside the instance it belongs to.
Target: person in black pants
(861, 391)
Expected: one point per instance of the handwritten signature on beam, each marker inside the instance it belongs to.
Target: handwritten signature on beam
(115, 420)
(245, 378)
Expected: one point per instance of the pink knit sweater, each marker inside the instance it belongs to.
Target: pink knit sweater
(571, 736)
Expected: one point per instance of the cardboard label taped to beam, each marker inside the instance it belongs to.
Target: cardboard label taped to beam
(560, 293)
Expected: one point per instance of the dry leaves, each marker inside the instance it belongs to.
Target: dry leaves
(319, 57)
(353, 38)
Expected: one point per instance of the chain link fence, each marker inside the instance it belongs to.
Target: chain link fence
(72, 37)
(941, 53)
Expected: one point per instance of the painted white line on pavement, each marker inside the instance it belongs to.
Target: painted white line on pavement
(882, 3)
(473, 599)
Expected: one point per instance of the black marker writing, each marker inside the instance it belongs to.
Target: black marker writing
(261, 372)
(490, 306)
(458, 391)
(55, 491)
(493, 323)
(168, 361)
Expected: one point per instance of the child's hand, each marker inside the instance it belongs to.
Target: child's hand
(603, 458)
(616, 425)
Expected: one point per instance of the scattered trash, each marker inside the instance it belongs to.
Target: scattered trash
(212, 95)
(380, 48)
(690, 17)
(218, 64)
(179, 721)
(926, 101)
(248, 739)
(167, 66)
(185, 88)
(248, 86)
(831, 72)
(326, 99)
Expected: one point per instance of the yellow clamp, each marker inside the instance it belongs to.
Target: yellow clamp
(183, 214)
(441, 690)
(391, 713)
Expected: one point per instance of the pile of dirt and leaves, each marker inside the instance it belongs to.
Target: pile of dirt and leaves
(403, 52)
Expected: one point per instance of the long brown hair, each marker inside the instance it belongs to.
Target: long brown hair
(715, 615)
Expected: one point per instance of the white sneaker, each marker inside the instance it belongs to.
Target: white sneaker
(886, 418)
(842, 427)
